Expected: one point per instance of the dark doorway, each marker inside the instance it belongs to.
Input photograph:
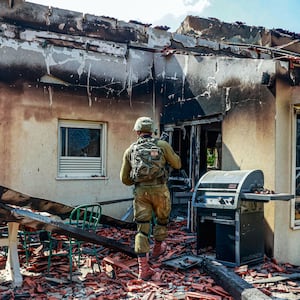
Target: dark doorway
(199, 147)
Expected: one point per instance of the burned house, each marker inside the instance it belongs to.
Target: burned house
(72, 85)
(255, 115)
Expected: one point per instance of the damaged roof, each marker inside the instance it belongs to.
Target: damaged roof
(116, 59)
(279, 41)
(197, 35)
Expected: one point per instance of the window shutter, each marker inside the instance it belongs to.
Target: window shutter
(80, 166)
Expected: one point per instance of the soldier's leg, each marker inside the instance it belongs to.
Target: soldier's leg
(162, 209)
(142, 217)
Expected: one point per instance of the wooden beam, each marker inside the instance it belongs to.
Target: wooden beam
(9, 196)
(288, 44)
(278, 278)
(40, 221)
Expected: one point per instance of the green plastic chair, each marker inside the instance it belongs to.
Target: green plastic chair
(30, 240)
(85, 217)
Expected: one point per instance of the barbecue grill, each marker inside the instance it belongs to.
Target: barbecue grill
(230, 214)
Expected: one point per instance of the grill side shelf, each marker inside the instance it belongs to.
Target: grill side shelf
(266, 197)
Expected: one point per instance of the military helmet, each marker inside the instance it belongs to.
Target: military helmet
(144, 124)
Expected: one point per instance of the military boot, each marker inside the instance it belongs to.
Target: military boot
(158, 249)
(145, 272)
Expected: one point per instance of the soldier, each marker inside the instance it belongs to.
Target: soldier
(144, 166)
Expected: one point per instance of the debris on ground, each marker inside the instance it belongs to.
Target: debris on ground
(116, 276)
(276, 280)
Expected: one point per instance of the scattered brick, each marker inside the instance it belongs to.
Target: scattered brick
(116, 278)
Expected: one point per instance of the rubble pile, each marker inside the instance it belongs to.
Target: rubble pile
(116, 276)
(278, 281)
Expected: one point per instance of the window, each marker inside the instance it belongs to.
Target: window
(81, 149)
(296, 203)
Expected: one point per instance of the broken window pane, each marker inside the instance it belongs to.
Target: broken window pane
(80, 142)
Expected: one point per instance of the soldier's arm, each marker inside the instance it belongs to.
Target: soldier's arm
(125, 169)
(171, 157)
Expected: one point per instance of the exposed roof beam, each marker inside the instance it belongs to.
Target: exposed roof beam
(288, 44)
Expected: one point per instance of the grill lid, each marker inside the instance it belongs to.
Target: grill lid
(225, 189)
(239, 180)
(222, 189)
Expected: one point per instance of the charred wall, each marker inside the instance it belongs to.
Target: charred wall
(248, 136)
(44, 18)
(113, 71)
(96, 55)
(194, 87)
(249, 130)
(188, 88)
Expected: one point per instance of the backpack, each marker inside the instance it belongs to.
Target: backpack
(147, 162)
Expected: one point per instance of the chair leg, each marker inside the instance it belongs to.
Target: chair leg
(26, 239)
(26, 245)
(97, 258)
(70, 261)
(78, 246)
(50, 249)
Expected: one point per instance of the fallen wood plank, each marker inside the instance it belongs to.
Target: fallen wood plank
(277, 278)
(41, 222)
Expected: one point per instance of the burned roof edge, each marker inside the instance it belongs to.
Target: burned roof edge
(26, 15)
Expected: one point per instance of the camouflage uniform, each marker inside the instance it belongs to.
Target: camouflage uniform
(150, 197)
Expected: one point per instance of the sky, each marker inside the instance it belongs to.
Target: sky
(270, 14)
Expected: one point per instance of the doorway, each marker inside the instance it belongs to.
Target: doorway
(199, 147)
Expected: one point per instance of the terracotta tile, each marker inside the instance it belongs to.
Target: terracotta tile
(241, 269)
(115, 262)
(29, 282)
(158, 275)
(217, 290)
(149, 296)
(135, 285)
(202, 295)
(264, 275)
(292, 283)
(98, 285)
(278, 268)
(266, 291)
(40, 289)
(199, 286)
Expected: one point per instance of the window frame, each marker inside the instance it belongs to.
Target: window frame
(63, 161)
(295, 224)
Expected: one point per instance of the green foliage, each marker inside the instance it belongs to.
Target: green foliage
(211, 157)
